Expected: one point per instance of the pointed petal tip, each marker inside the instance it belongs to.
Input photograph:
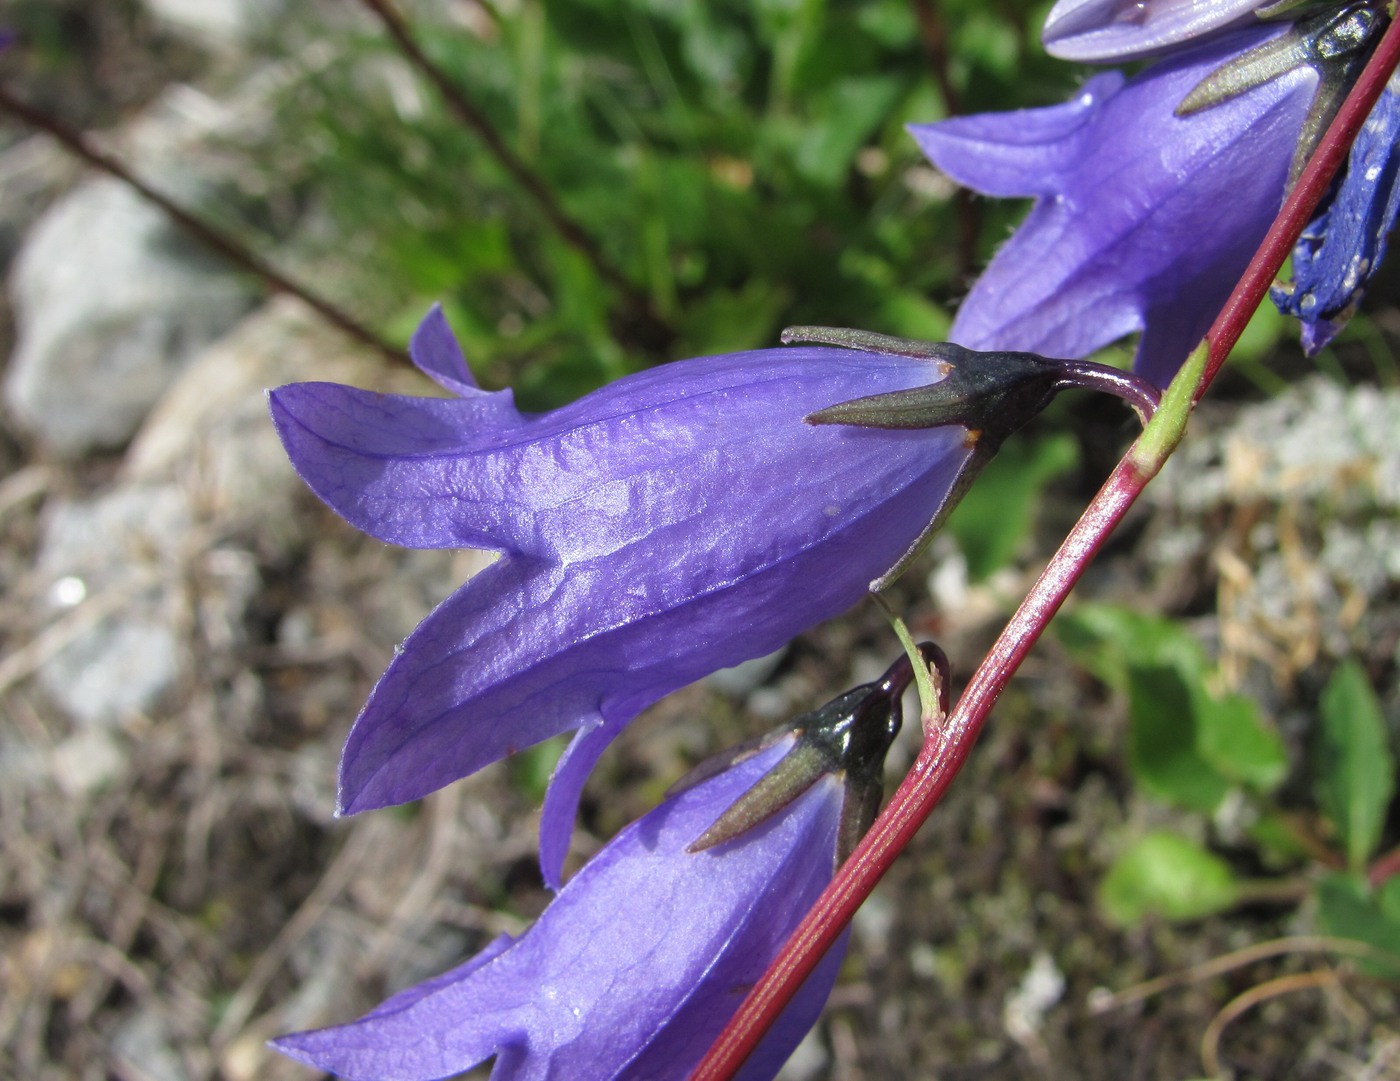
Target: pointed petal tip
(1023, 153)
(436, 353)
(561, 798)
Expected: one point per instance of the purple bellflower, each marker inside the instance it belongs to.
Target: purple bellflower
(1343, 246)
(1143, 219)
(1098, 31)
(639, 961)
(675, 522)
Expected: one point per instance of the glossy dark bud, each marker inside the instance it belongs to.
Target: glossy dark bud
(850, 735)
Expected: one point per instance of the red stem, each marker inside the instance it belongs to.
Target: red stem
(1385, 868)
(943, 754)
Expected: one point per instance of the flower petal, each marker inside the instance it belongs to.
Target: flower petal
(1150, 227)
(1114, 30)
(529, 649)
(434, 350)
(1020, 153)
(1345, 244)
(676, 522)
(634, 966)
(398, 468)
(561, 799)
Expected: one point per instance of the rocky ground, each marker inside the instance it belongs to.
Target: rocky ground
(186, 634)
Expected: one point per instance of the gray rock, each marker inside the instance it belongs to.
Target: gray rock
(109, 563)
(142, 1044)
(32, 172)
(110, 303)
(168, 550)
(217, 24)
(117, 670)
(211, 434)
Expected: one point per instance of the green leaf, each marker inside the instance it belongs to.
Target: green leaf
(1277, 838)
(1166, 875)
(995, 516)
(1163, 746)
(728, 320)
(1346, 909)
(839, 124)
(1185, 744)
(1109, 640)
(1237, 742)
(1357, 771)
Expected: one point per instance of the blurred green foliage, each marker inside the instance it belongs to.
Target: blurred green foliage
(1195, 748)
(995, 517)
(744, 164)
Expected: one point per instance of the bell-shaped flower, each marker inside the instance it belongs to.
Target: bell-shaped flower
(1099, 31)
(672, 523)
(1143, 219)
(1344, 245)
(636, 965)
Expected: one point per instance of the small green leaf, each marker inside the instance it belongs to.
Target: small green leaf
(1237, 742)
(847, 115)
(1109, 640)
(1345, 909)
(1388, 899)
(1277, 838)
(1166, 875)
(1163, 740)
(995, 516)
(1356, 770)
(728, 320)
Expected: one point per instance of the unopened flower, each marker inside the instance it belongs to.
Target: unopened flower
(1144, 219)
(1116, 30)
(636, 965)
(675, 522)
(1343, 246)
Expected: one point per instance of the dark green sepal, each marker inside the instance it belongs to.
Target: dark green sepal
(850, 734)
(989, 394)
(992, 393)
(1334, 43)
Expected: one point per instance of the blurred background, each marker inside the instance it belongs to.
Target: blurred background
(1192, 782)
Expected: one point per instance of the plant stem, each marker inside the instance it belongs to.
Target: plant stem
(530, 181)
(942, 755)
(967, 212)
(79, 145)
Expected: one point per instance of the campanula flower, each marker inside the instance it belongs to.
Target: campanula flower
(1343, 246)
(638, 962)
(1143, 219)
(672, 523)
(1098, 31)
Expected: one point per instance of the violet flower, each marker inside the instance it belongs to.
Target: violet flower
(639, 961)
(672, 523)
(1100, 31)
(1144, 219)
(1343, 246)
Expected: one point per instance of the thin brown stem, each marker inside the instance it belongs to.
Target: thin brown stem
(212, 237)
(534, 185)
(934, 36)
(1236, 959)
(1256, 996)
